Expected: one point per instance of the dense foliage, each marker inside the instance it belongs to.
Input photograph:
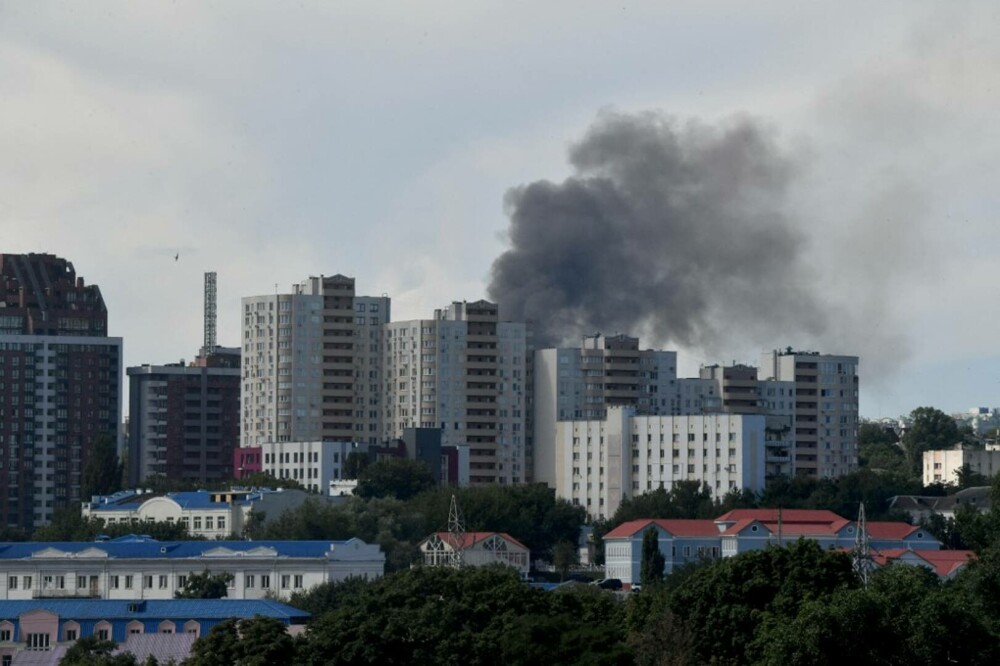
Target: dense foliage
(529, 513)
(205, 585)
(102, 472)
(69, 525)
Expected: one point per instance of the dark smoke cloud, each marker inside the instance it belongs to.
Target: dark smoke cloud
(675, 231)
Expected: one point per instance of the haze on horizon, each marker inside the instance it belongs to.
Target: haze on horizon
(408, 148)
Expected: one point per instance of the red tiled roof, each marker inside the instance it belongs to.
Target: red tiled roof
(943, 562)
(787, 516)
(890, 530)
(677, 527)
(472, 538)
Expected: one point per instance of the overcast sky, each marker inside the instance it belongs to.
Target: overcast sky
(270, 141)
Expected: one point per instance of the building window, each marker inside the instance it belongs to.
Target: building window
(222, 523)
(128, 582)
(298, 581)
(147, 582)
(248, 581)
(5, 635)
(285, 578)
(27, 582)
(103, 634)
(163, 582)
(72, 634)
(265, 581)
(181, 580)
(115, 582)
(12, 582)
(37, 642)
(197, 522)
(209, 523)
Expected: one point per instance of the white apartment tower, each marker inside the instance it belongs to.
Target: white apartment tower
(466, 372)
(825, 411)
(581, 383)
(310, 363)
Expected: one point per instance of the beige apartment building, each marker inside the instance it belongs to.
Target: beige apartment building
(825, 411)
(468, 373)
(310, 363)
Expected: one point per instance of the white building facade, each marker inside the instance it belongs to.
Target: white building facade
(598, 463)
(316, 465)
(943, 465)
(142, 568)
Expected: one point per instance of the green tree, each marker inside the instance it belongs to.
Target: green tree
(479, 615)
(722, 604)
(69, 525)
(219, 647)
(265, 642)
(929, 429)
(92, 651)
(653, 562)
(205, 585)
(965, 477)
(565, 556)
(396, 477)
(326, 597)
(102, 472)
(354, 463)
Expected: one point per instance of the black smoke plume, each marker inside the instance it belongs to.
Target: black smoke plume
(673, 231)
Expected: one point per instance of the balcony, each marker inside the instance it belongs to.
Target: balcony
(52, 593)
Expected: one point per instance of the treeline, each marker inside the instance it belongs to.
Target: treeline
(791, 606)
(530, 513)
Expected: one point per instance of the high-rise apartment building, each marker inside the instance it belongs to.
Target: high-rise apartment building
(467, 372)
(825, 415)
(310, 363)
(184, 420)
(581, 383)
(60, 385)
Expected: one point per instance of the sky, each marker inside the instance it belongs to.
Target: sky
(272, 141)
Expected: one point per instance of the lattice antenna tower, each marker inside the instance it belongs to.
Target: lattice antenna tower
(211, 310)
(456, 534)
(862, 556)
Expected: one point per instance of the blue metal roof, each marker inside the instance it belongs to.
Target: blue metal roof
(194, 499)
(159, 609)
(130, 500)
(142, 548)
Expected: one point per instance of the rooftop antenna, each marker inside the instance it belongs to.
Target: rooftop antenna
(456, 534)
(211, 308)
(862, 555)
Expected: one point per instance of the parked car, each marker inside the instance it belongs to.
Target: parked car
(637, 587)
(608, 583)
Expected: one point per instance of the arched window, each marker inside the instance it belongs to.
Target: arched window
(192, 627)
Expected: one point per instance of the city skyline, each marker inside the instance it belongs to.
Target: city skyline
(352, 141)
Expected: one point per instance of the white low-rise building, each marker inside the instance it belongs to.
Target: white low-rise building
(943, 465)
(313, 464)
(598, 463)
(477, 549)
(217, 514)
(135, 567)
